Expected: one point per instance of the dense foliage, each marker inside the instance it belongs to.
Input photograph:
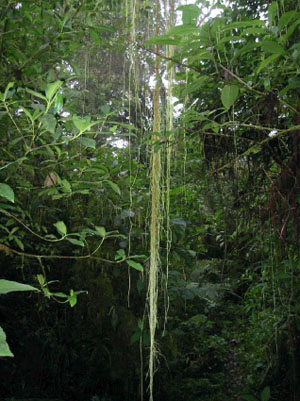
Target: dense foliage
(76, 140)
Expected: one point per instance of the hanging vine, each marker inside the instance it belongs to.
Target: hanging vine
(170, 17)
(155, 218)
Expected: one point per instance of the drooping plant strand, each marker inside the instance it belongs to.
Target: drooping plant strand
(155, 219)
(170, 17)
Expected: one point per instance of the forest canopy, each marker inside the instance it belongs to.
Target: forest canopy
(149, 200)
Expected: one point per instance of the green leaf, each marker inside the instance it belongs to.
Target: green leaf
(293, 84)
(27, 113)
(8, 87)
(246, 23)
(183, 30)
(272, 12)
(229, 95)
(37, 94)
(66, 186)
(60, 294)
(190, 14)
(52, 88)
(95, 37)
(49, 123)
(194, 86)
(19, 243)
(7, 193)
(61, 228)
(164, 40)
(269, 46)
(4, 347)
(72, 300)
(101, 231)
(135, 265)
(58, 103)
(82, 124)
(137, 257)
(267, 61)
(88, 142)
(286, 18)
(12, 286)
(265, 394)
(41, 279)
(135, 337)
(290, 31)
(114, 187)
(75, 241)
(120, 254)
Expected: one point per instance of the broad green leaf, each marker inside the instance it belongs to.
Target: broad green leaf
(120, 254)
(183, 30)
(114, 187)
(60, 294)
(290, 31)
(66, 186)
(269, 46)
(272, 12)
(88, 142)
(75, 241)
(146, 338)
(4, 348)
(82, 124)
(196, 85)
(61, 227)
(286, 18)
(265, 394)
(58, 103)
(106, 109)
(229, 95)
(244, 24)
(164, 40)
(267, 61)
(135, 337)
(49, 123)
(140, 324)
(19, 243)
(12, 286)
(101, 231)
(52, 88)
(135, 265)
(249, 47)
(72, 299)
(190, 14)
(7, 193)
(41, 279)
(37, 94)
(95, 37)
